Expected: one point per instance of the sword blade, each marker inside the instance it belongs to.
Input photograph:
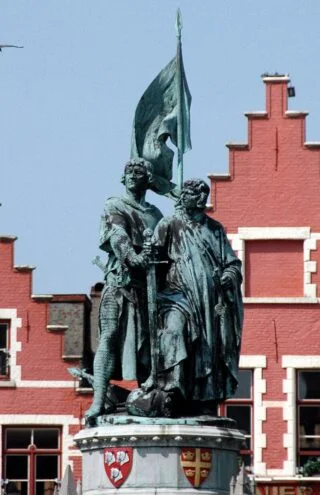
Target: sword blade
(152, 317)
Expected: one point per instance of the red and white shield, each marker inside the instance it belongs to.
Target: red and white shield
(117, 464)
(196, 464)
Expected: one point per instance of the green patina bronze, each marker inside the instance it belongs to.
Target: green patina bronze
(124, 347)
(177, 332)
(200, 302)
(171, 310)
(200, 313)
(162, 112)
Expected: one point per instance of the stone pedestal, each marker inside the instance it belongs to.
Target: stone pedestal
(159, 456)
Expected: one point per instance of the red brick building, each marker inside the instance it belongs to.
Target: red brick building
(41, 405)
(270, 204)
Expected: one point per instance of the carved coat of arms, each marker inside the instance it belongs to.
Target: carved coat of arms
(117, 464)
(196, 464)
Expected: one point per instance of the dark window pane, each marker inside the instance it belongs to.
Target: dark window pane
(242, 415)
(46, 467)
(45, 487)
(17, 488)
(18, 438)
(247, 443)
(46, 439)
(3, 336)
(17, 467)
(3, 362)
(245, 459)
(307, 444)
(309, 421)
(244, 387)
(308, 385)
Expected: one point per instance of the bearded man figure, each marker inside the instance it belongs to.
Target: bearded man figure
(124, 346)
(201, 311)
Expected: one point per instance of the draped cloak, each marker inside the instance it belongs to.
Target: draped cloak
(201, 357)
(121, 235)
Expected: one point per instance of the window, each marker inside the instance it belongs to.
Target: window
(4, 350)
(31, 460)
(239, 408)
(308, 420)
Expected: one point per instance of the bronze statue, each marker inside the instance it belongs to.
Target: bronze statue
(200, 313)
(179, 337)
(124, 347)
(200, 305)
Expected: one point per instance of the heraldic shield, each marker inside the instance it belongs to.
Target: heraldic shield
(196, 464)
(117, 464)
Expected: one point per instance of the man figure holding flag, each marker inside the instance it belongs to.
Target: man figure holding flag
(124, 346)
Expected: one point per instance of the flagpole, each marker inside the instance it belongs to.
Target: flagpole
(180, 129)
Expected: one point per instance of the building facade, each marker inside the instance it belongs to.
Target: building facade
(41, 405)
(270, 205)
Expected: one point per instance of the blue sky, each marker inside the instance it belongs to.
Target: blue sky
(67, 102)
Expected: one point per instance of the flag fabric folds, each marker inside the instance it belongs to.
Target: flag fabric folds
(156, 118)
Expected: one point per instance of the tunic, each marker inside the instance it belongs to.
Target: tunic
(121, 235)
(201, 357)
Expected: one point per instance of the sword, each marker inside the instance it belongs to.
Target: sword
(220, 307)
(152, 303)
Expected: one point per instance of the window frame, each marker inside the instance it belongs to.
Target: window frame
(303, 453)
(32, 452)
(6, 350)
(222, 411)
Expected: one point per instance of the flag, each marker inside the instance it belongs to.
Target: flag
(164, 103)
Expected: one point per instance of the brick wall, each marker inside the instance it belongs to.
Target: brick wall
(274, 268)
(39, 390)
(273, 182)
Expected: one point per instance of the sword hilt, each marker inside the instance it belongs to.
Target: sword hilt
(148, 244)
(147, 237)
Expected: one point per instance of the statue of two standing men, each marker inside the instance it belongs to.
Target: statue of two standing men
(198, 298)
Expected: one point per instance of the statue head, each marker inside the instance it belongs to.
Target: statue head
(194, 194)
(137, 174)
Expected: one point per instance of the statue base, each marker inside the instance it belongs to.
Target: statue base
(149, 456)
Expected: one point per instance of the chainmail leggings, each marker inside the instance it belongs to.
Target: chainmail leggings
(105, 358)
